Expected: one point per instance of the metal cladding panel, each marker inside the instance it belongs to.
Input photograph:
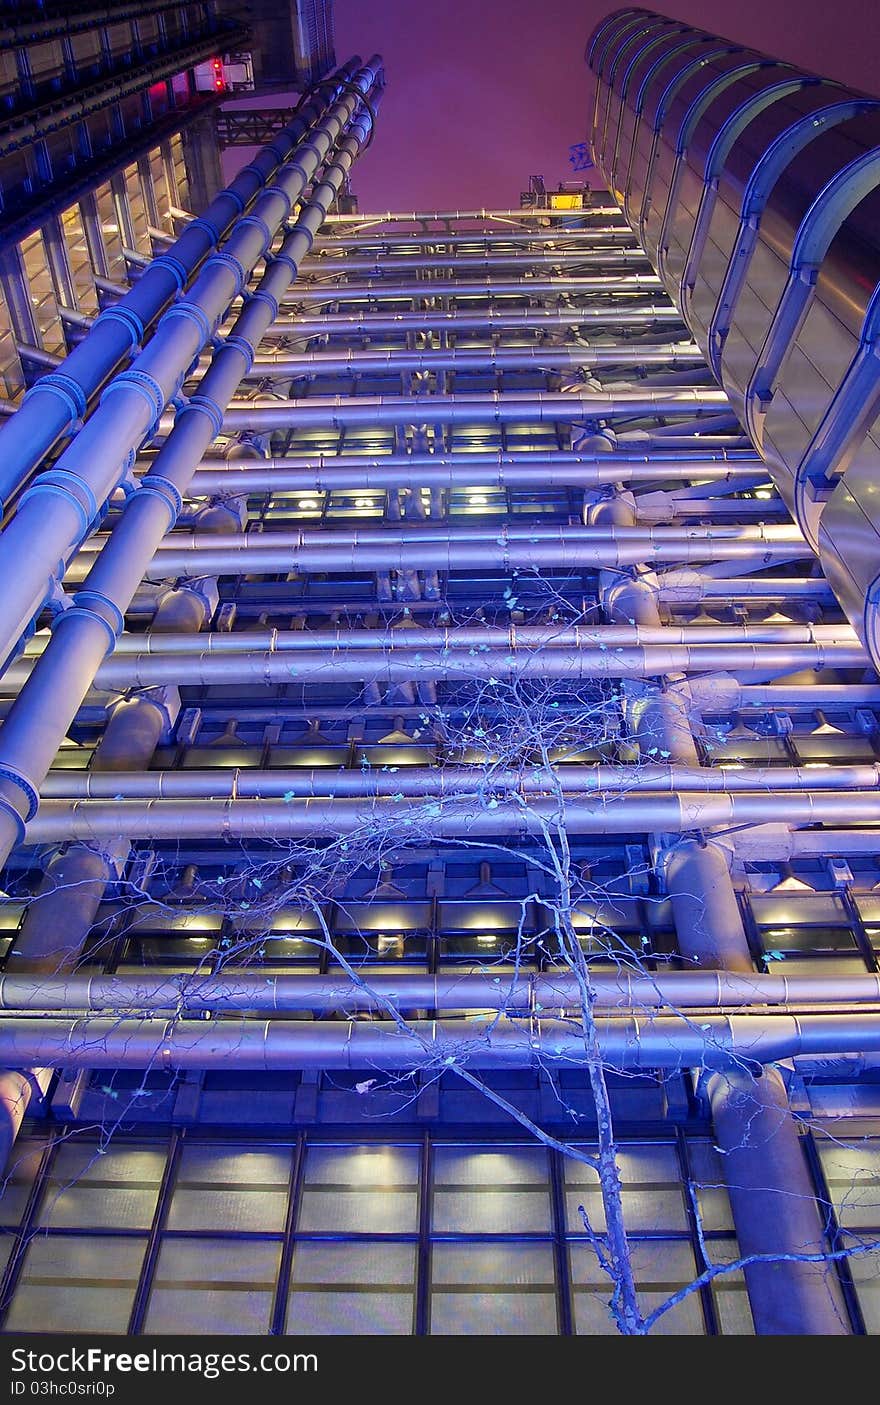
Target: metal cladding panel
(731, 183)
(658, 173)
(658, 93)
(765, 255)
(649, 62)
(645, 50)
(617, 32)
(755, 190)
(757, 162)
(657, 64)
(690, 101)
(719, 123)
(849, 543)
(620, 74)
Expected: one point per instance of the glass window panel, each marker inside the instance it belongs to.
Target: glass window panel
(711, 1191)
(42, 294)
(222, 1286)
(490, 1192)
(113, 1187)
(729, 1292)
(18, 1178)
(360, 1189)
(160, 188)
(178, 171)
(112, 239)
(137, 206)
(661, 1268)
(362, 1288)
(77, 1284)
(230, 1189)
(865, 1270)
(79, 259)
(653, 1196)
(497, 1289)
(852, 1174)
(11, 378)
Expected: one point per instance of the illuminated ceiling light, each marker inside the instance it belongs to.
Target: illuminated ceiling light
(477, 499)
(364, 502)
(487, 939)
(307, 504)
(763, 493)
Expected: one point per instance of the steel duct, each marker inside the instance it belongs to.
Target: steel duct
(442, 470)
(492, 407)
(615, 313)
(431, 548)
(653, 1042)
(474, 815)
(485, 360)
(448, 781)
(226, 992)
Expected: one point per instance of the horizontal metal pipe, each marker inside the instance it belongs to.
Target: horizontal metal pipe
(620, 312)
(726, 694)
(483, 637)
(689, 587)
(718, 1042)
(521, 217)
(381, 265)
(433, 548)
(485, 360)
(379, 291)
(267, 668)
(327, 246)
(441, 470)
(449, 781)
(228, 991)
(269, 819)
(491, 407)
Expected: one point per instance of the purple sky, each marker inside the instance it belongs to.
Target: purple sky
(484, 93)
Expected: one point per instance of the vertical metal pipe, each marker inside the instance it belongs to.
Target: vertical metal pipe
(771, 1192)
(48, 703)
(53, 406)
(774, 1207)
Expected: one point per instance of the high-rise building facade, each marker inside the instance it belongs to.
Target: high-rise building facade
(439, 761)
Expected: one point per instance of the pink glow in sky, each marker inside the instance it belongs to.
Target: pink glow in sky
(484, 93)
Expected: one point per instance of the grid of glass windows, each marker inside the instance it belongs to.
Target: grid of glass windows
(431, 1235)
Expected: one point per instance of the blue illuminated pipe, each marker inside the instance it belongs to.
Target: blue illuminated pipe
(443, 470)
(720, 1042)
(57, 402)
(517, 218)
(225, 992)
(485, 359)
(616, 312)
(484, 637)
(325, 247)
(59, 508)
(385, 264)
(381, 291)
(464, 548)
(447, 782)
(492, 407)
(39, 719)
(197, 666)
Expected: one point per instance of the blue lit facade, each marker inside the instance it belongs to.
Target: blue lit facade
(367, 511)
